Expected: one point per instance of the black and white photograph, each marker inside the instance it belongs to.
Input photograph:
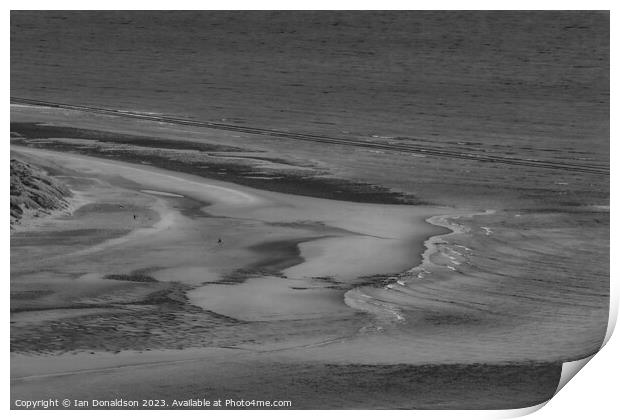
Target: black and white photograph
(306, 209)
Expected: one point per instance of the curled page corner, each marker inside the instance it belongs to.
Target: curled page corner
(517, 412)
(570, 369)
(613, 315)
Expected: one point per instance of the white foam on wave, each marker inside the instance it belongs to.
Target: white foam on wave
(435, 246)
(487, 230)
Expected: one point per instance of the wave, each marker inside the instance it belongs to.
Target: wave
(439, 255)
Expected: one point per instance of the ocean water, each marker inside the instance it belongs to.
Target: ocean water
(522, 83)
(526, 281)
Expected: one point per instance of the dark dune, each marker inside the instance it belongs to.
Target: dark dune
(32, 189)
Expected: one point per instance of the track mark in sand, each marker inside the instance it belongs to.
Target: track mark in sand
(302, 346)
(110, 369)
(116, 368)
(425, 150)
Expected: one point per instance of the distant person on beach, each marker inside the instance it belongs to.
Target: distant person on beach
(219, 240)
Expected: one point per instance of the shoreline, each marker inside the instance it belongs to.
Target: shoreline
(430, 249)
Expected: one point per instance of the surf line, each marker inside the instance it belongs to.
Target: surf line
(356, 298)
